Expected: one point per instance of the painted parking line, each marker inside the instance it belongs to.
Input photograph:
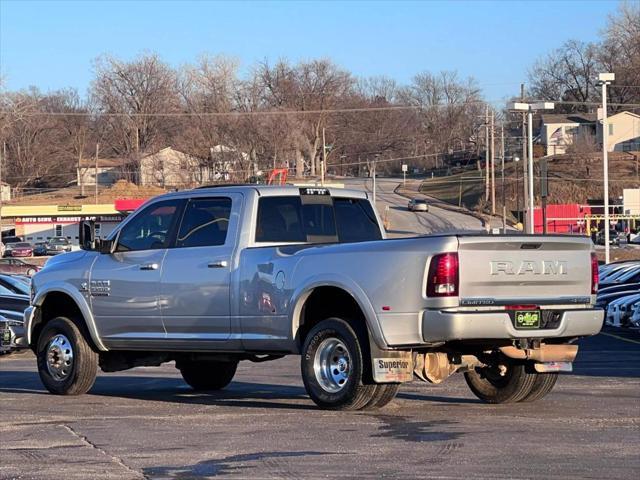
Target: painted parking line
(620, 338)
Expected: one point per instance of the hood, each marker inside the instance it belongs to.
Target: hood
(65, 258)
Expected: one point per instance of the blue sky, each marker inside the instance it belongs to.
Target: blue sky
(52, 44)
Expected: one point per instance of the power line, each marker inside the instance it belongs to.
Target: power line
(290, 112)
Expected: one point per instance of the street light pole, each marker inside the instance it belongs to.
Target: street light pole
(605, 79)
(531, 226)
(493, 166)
(504, 203)
(530, 108)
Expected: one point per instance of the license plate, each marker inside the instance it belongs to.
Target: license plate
(528, 319)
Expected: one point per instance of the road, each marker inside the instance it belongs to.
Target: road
(405, 223)
(146, 423)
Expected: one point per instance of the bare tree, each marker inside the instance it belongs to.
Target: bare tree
(138, 95)
(567, 74)
(620, 53)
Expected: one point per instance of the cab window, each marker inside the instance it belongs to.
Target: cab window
(289, 220)
(149, 229)
(204, 223)
(356, 220)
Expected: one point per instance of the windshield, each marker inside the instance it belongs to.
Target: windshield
(59, 241)
(22, 245)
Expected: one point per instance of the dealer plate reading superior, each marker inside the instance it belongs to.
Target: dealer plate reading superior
(528, 319)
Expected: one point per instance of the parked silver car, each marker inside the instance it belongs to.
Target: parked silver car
(58, 245)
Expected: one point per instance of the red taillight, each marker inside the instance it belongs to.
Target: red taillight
(595, 277)
(443, 275)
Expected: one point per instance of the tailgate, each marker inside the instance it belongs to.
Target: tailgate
(541, 270)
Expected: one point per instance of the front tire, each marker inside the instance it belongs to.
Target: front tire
(506, 382)
(67, 365)
(202, 376)
(333, 369)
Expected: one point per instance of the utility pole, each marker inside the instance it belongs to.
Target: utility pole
(516, 168)
(493, 166)
(375, 161)
(324, 158)
(486, 152)
(504, 203)
(2, 160)
(605, 79)
(96, 170)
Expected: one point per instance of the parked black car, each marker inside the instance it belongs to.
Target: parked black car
(613, 237)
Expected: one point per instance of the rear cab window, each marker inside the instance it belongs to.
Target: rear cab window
(315, 219)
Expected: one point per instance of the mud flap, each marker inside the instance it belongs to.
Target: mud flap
(390, 366)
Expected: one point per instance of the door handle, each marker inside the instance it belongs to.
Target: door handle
(218, 264)
(149, 266)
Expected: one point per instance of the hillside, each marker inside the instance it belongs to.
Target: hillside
(573, 178)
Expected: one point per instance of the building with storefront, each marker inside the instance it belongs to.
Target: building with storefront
(40, 223)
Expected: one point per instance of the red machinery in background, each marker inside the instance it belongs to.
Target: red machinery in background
(278, 176)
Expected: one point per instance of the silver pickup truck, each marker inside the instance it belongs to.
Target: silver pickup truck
(213, 276)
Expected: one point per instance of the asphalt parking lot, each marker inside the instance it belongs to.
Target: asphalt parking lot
(146, 423)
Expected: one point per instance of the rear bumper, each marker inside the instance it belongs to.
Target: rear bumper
(439, 326)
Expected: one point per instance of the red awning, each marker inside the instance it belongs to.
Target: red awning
(127, 205)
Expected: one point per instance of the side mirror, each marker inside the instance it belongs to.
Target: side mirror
(87, 235)
(105, 246)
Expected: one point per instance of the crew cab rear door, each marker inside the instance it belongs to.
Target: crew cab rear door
(196, 275)
(503, 270)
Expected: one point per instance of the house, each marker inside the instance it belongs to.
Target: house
(107, 171)
(623, 132)
(172, 168)
(559, 131)
(5, 192)
(225, 161)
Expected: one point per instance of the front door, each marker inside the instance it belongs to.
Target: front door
(196, 275)
(124, 286)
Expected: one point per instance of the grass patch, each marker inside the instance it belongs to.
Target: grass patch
(463, 189)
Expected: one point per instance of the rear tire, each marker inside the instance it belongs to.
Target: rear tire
(542, 385)
(67, 365)
(333, 369)
(203, 376)
(384, 394)
(491, 387)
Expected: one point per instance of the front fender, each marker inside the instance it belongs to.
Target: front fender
(77, 297)
(345, 283)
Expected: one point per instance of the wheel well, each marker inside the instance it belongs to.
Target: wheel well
(325, 302)
(58, 304)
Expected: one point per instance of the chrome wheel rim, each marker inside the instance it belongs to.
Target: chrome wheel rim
(332, 365)
(59, 357)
